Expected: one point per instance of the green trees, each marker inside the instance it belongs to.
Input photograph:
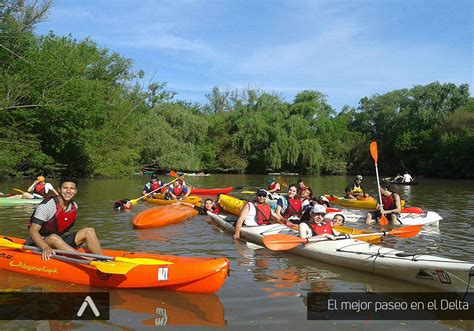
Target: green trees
(68, 106)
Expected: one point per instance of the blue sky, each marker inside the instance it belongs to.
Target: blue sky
(344, 49)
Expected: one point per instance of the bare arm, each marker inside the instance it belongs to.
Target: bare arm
(30, 189)
(38, 240)
(240, 221)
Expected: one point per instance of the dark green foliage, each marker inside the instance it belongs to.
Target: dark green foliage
(68, 106)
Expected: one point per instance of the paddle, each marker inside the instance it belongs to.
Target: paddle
(280, 242)
(138, 261)
(18, 190)
(135, 201)
(373, 151)
(248, 192)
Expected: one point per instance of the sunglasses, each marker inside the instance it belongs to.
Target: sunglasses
(262, 195)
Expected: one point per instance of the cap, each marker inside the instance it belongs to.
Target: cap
(40, 179)
(359, 177)
(271, 180)
(261, 192)
(154, 176)
(318, 209)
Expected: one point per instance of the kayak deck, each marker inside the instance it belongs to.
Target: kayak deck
(185, 274)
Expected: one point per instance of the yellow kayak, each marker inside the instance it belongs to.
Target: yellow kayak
(160, 201)
(232, 205)
(367, 203)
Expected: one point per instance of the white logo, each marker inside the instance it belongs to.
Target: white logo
(162, 320)
(162, 274)
(88, 301)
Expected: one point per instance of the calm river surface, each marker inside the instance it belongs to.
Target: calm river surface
(265, 289)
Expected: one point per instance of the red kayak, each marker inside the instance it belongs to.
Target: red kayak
(213, 191)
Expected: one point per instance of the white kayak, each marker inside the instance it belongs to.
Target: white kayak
(354, 216)
(428, 270)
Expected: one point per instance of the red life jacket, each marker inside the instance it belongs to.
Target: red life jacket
(156, 186)
(40, 189)
(293, 209)
(272, 186)
(61, 222)
(178, 190)
(263, 214)
(321, 229)
(389, 202)
(216, 210)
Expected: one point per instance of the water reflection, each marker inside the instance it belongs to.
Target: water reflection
(133, 308)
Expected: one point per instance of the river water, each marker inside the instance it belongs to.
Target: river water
(265, 289)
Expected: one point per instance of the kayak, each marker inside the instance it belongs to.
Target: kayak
(211, 191)
(354, 216)
(185, 274)
(429, 270)
(367, 203)
(227, 223)
(158, 200)
(161, 216)
(4, 201)
(231, 204)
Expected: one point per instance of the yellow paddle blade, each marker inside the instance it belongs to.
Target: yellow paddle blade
(18, 190)
(248, 192)
(113, 267)
(141, 261)
(134, 201)
(7, 243)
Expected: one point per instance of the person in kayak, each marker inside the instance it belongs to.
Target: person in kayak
(178, 190)
(273, 186)
(407, 178)
(255, 213)
(300, 185)
(289, 207)
(306, 196)
(338, 220)
(53, 218)
(355, 190)
(391, 206)
(317, 226)
(210, 206)
(153, 185)
(39, 189)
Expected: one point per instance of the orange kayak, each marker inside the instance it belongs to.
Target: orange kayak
(186, 274)
(164, 215)
(160, 201)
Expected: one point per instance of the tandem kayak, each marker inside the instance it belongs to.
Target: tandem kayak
(410, 218)
(158, 200)
(185, 274)
(162, 216)
(428, 270)
(4, 201)
(211, 191)
(367, 203)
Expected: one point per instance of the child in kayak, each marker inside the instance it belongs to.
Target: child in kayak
(53, 218)
(317, 226)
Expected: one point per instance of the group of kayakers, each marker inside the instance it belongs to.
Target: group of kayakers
(172, 191)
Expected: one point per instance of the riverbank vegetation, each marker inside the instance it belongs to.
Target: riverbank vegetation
(69, 106)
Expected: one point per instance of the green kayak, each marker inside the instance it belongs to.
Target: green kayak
(4, 201)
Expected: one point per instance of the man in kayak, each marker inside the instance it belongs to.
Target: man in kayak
(178, 190)
(355, 190)
(289, 207)
(317, 226)
(273, 186)
(153, 186)
(407, 178)
(39, 189)
(255, 213)
(391, 206)
(53, 218)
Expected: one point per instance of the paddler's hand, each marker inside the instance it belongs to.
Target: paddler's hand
(47, 253)
(237, 235)
(330, 236)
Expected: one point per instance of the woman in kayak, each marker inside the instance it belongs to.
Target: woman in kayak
(53, 218)
(289, 207)
(39, 189)
(255, 213)
(355, 190)
(338, 220)
(391, 206)
(317, 226)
